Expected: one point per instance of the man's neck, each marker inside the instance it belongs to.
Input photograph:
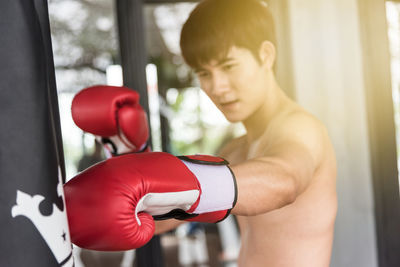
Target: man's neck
(257, 123)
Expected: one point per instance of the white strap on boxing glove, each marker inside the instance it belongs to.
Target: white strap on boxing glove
(218, 192)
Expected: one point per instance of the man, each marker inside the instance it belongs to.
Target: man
(284, 167)
(285, 164)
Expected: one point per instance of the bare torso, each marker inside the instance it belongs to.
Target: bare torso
(299, 234)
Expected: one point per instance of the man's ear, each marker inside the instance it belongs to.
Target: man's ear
(267, 54)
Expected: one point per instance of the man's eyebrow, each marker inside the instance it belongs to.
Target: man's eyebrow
(219, 63)
(224, 60)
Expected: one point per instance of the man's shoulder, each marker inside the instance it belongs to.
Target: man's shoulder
(299, 128)
(298, 121)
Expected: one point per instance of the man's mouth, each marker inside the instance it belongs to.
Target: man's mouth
(229, 104)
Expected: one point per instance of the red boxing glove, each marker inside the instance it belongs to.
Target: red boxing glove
(114, 114)
(111, 205)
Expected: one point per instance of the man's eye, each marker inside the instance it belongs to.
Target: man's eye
(228, 67)
(203, 74)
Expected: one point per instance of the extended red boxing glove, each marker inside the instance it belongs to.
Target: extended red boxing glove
(111, 205)
(114, 114)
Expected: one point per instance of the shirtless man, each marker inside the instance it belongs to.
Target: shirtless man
(284, 167)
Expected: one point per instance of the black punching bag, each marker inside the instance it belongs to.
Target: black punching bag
(33, 222)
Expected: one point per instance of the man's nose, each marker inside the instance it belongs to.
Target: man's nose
(220, 85)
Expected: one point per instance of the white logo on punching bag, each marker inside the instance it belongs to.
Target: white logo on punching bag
(53, 228)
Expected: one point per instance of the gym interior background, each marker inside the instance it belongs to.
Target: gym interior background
(339, 59)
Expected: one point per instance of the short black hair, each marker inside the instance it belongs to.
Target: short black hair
(215, 26)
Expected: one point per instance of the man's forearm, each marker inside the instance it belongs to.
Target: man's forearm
(166, 225)
(262, 186)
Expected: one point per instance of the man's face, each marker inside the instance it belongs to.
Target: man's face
(236, 84)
